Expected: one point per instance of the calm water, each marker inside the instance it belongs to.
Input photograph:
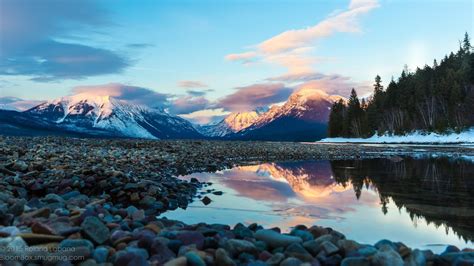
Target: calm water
(425, 203)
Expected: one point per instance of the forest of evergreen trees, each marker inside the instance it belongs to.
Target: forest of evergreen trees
(436, 98)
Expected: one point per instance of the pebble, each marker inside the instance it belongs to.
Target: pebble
(275, 240)
(386, 256)
(355, 261)
(95, 230)
(238, 246)
(99, 199)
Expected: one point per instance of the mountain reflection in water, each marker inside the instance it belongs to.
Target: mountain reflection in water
(420, 201)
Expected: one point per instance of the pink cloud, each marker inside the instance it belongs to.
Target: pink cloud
(246, 57)
(291, 48)
(133, 94)
(345, 21)
(253, 96)
(188, 104)
(191, 84)
(206, 116)
(334, 84)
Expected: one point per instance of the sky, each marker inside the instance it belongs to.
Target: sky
(203, 59)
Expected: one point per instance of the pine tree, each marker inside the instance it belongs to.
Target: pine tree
(374, 108)
(354, 115)
(466, 44)
(336, 119)
(437, 98)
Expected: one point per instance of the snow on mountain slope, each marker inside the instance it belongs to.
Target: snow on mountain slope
(234, 122)
(308, 104)
(305, 113)
(85, 112)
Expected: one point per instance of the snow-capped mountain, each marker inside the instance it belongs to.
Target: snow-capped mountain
(232, 123)
(303, 117)
(106, 115)
(307, 104)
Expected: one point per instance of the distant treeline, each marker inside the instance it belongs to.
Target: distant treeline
(435, 98)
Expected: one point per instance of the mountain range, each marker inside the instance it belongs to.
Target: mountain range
(303, 117)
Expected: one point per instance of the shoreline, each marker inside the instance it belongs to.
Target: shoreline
(98, 199)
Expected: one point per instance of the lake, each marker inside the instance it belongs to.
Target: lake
(423, 202)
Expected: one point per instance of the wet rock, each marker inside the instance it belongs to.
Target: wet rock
(206, 200)
(95, 230)
(20, 165)
(329, 248)
(318, 231)
(34, 239)
(453, 257)
(348, 246)
(100, 254)
(194, 259)
(386, 256)
(77, 247)
(275, 240)
(18, 207)
(450, 249)
(140, 252)
(298, 251)
(291, 262)
(181, 261)
(385, 242)
(222, 258)
(191, 237)
(416, 258)
(304, 235)
(160, 252)
(276, 259)
(237, 246)
(355, 261)
(41, 228)
(9, 231)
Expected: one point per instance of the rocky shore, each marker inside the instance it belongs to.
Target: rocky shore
(93, 201)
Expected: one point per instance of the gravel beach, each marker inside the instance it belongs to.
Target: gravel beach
(70, 201)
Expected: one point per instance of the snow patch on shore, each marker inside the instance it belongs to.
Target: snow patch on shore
(466, 136)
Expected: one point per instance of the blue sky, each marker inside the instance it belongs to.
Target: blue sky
(200, 55)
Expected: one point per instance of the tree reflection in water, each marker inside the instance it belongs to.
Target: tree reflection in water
(439, 190)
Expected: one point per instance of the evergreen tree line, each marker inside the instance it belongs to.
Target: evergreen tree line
(436, 98)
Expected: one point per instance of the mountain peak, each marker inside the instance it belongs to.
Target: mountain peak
(240, 120)
(308, 93)
(86, 112)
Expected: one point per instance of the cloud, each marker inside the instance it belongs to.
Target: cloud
(206, 116)
(345, 21)
(290, 48)
(246, 57)
(192, 84)
(33, 34)
(253, 96)
(51, 60)
(334, 84)
(17, 104)
(188, 104)
(299, 77)
(338, 85)
(133, 94)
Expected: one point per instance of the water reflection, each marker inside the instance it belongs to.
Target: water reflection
(417, 201)
(440, 191)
